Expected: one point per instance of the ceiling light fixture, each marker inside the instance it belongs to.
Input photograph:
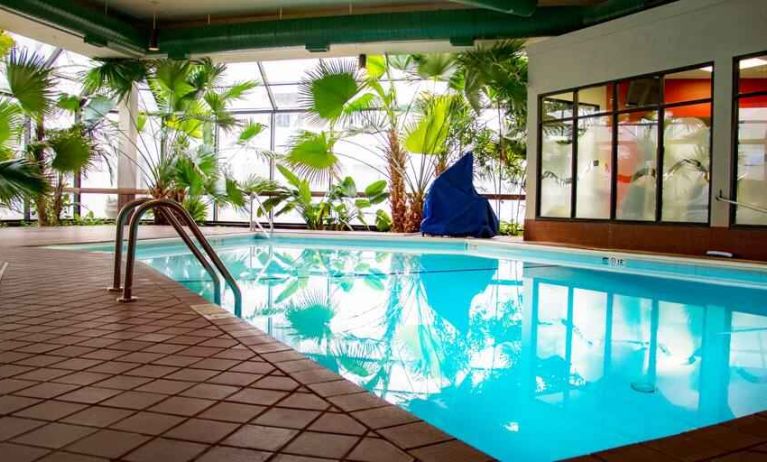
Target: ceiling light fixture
(153, 36)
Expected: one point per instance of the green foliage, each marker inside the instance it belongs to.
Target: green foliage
(71, 150)
(338, 210)
(312, 155)
(510, 229)
(196, 208)
(6, 43)
(31, 81)
(19, 177)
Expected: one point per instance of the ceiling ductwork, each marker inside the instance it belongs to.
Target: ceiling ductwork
(524, 8)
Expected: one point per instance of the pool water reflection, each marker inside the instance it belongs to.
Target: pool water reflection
(524, 361)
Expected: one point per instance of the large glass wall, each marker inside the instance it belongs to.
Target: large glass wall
(750, 185)
(636, 149)
(275, 104)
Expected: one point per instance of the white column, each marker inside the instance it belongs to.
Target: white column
(721, 151)
(127, 160)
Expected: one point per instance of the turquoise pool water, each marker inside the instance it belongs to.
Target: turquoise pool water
(533, 355)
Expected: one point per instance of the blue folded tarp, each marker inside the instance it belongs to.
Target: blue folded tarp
(454, 208)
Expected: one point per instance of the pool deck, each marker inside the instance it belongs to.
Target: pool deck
(173, 378)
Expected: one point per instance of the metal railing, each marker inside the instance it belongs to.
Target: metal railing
(755, 208)
(254, 223)
(171, 210)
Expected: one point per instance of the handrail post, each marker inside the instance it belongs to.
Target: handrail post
(195, 251)
(174, 207)
(120, 222)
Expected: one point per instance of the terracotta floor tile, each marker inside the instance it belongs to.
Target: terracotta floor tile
(357, 401)
(233, 412)
(43, 374)
(384, 417)
(123, 382)
(151, 370)
(97, 416)
(13, 426)
(339, 387)
(82, 378)
(108, 443)
(8, 386)
(210, 391)
(305, 401)
(10, 404)
(10, 370)
(192, 375)
(311, 376)
(338, 423)
(113, 367)
(166, 450)
(90, 395)
(253, 396)
(50, 410)
(46, 390)
(164, 386)
(276, 383)
(289, 418)
(378, 450)
(78, 364)
(414, 434)
(174, 360)
(295, 458)
(148, 423)
(321, 444)
(181, 405)
(18, 453)
(134, 400)
(60, 456)
(201, 430)
(260, 437)
(454, 451)
(223, 453)
(54, 435)
(253, 367)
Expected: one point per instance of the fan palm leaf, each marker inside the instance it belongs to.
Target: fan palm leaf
(19, 177)
(31, 81)
(115, 76)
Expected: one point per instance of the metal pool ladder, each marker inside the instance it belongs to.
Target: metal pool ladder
(255, 223)
(166, 207)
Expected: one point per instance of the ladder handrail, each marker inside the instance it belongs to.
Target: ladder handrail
(167, 207)
(254, 196)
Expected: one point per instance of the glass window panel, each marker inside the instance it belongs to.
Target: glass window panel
(288, 71)
(244, 160)
(595, 99)
(637, 153)
(556, 164)
(558, 106)
(686, 163)
(100, 205)
(595, 135)
(257, 98)
(15, 212)
(753, 74)
(689, 85)
(240, 72)
(287, 97)
(640, 92)
(752, 159)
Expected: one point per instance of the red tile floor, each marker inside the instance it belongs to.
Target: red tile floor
(171, 378)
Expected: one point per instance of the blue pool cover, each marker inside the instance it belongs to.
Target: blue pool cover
(454, 208)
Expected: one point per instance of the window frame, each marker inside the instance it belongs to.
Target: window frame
(735, 138)
(614, 114)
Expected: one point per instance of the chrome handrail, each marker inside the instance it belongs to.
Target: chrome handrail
(755, 208)
(254, 197)
(167, 207)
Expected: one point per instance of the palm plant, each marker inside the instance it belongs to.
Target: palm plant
(179, 160)
(54, 153)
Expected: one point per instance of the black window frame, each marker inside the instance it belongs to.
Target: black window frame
(735, 138)
(614, 113)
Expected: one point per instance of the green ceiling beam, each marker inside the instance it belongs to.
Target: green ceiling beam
(318, 34)
(446, 25)
(524, 8)
(95, 25)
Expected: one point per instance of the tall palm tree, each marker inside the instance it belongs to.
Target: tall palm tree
(32, 82)
(191, 106)
(19, 178)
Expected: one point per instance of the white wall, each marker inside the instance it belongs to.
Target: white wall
(679, 34)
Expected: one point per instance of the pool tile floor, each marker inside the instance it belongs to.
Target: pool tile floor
(172, 378)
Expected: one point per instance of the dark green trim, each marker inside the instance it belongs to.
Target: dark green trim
(62, 14)
(465, 25)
